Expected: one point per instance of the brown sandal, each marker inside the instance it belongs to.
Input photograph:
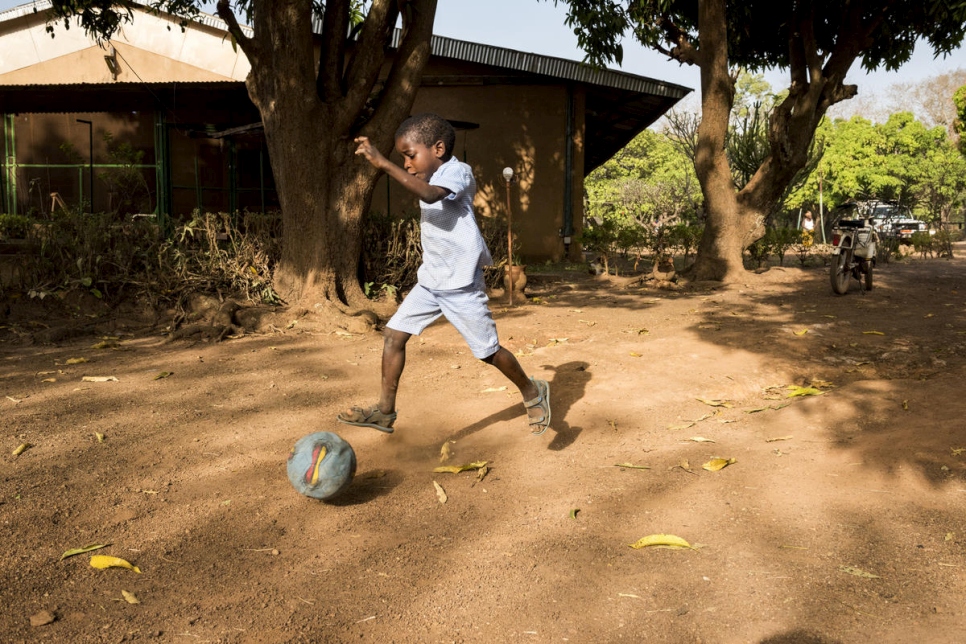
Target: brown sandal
(371, 417)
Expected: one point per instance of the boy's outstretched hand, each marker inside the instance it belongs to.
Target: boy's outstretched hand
(372, 155)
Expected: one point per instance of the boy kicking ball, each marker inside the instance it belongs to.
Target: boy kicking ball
(450, 279)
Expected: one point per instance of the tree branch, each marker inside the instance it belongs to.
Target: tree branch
(367, 58)
(682, 50)
(407, 69)
(247, 44)
(335, 33)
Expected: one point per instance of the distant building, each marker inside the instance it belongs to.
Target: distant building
(177, 100)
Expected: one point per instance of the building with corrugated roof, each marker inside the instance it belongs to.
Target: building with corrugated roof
(172, 103)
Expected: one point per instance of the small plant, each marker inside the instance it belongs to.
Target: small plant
(922, 243)
(14, 226)
(761, 250)
(782, 239)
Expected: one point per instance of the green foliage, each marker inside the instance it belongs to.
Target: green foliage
(126, 185)
(775, 241)
(391, 252)
(959, 99)
(782, 239)
(14, 226)
(761, 30)
(900, 160)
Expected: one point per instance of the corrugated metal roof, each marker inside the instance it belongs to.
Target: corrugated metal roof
(548, 66)
(468, 52)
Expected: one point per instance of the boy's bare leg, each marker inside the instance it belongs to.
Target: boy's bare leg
(508, 365)
(393, 363)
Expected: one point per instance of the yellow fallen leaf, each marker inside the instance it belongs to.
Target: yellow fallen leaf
(99, 436)
(99, 379)
(106, 344)
(490, 390)
(802, 332)
(102, 562)
(21, 448)
(163, 374)
(757, 409)
(803, 391)
(716, 464)
(573, 513)
(778, 438)
(76, 361)
(716, 403)
(631, 466)
(661, 541)
(873, 333)
(700, 439)
(905, 405)
(634, 354)
(821, 384)
(80, 551)
(684, 465)
(857, 572)
(456, 469)
(49, 380)
(445, 452)
(129, 597)
(554, 341)
(440, 493)
(684, 426)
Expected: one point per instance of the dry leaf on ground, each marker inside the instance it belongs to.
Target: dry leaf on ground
(82, 550)
(440, 493)
(795, 391)
(129, 597)
(102, 562)
(99, 379)
(632, 466)
(716, 464)
(858, 573)
(21, 448)
(661, 541)
(716, 403)
(456, 469)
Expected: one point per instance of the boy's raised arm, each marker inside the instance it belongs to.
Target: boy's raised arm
(415, 185)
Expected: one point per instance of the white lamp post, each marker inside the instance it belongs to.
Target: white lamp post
(508, 177)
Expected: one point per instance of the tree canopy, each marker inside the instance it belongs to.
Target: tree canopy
(817, 41)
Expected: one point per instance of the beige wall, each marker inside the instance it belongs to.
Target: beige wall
(151, 49)
(523, 127)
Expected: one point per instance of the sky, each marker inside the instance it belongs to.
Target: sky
(537, 26)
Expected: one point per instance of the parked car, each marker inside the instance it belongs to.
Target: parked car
(888, 218)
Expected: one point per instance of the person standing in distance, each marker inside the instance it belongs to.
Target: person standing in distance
(450, 278)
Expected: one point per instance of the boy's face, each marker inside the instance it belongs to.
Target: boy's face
(420, 160)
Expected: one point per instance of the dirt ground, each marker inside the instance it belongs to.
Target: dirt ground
(841, 520)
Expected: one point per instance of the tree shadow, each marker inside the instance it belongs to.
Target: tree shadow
(798, 636)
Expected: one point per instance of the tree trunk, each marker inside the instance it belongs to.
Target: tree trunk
(312, 109)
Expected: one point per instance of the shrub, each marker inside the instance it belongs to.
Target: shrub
(14, 226)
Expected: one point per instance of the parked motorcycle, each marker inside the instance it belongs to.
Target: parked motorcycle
(854, 254)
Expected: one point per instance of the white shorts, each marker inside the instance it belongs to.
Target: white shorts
(466, 309)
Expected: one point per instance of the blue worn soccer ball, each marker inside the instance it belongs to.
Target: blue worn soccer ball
(321, 465)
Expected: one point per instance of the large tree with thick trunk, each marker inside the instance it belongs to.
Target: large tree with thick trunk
(817, 41)
(315, 94)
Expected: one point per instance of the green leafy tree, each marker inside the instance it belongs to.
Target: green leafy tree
(900, 160)
(313, 102)
(959, 99)
(817, 42)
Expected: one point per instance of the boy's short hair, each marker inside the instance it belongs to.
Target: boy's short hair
(428, 128)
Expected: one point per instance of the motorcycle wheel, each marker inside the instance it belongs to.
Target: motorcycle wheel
(867, 265)
(840, 272)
